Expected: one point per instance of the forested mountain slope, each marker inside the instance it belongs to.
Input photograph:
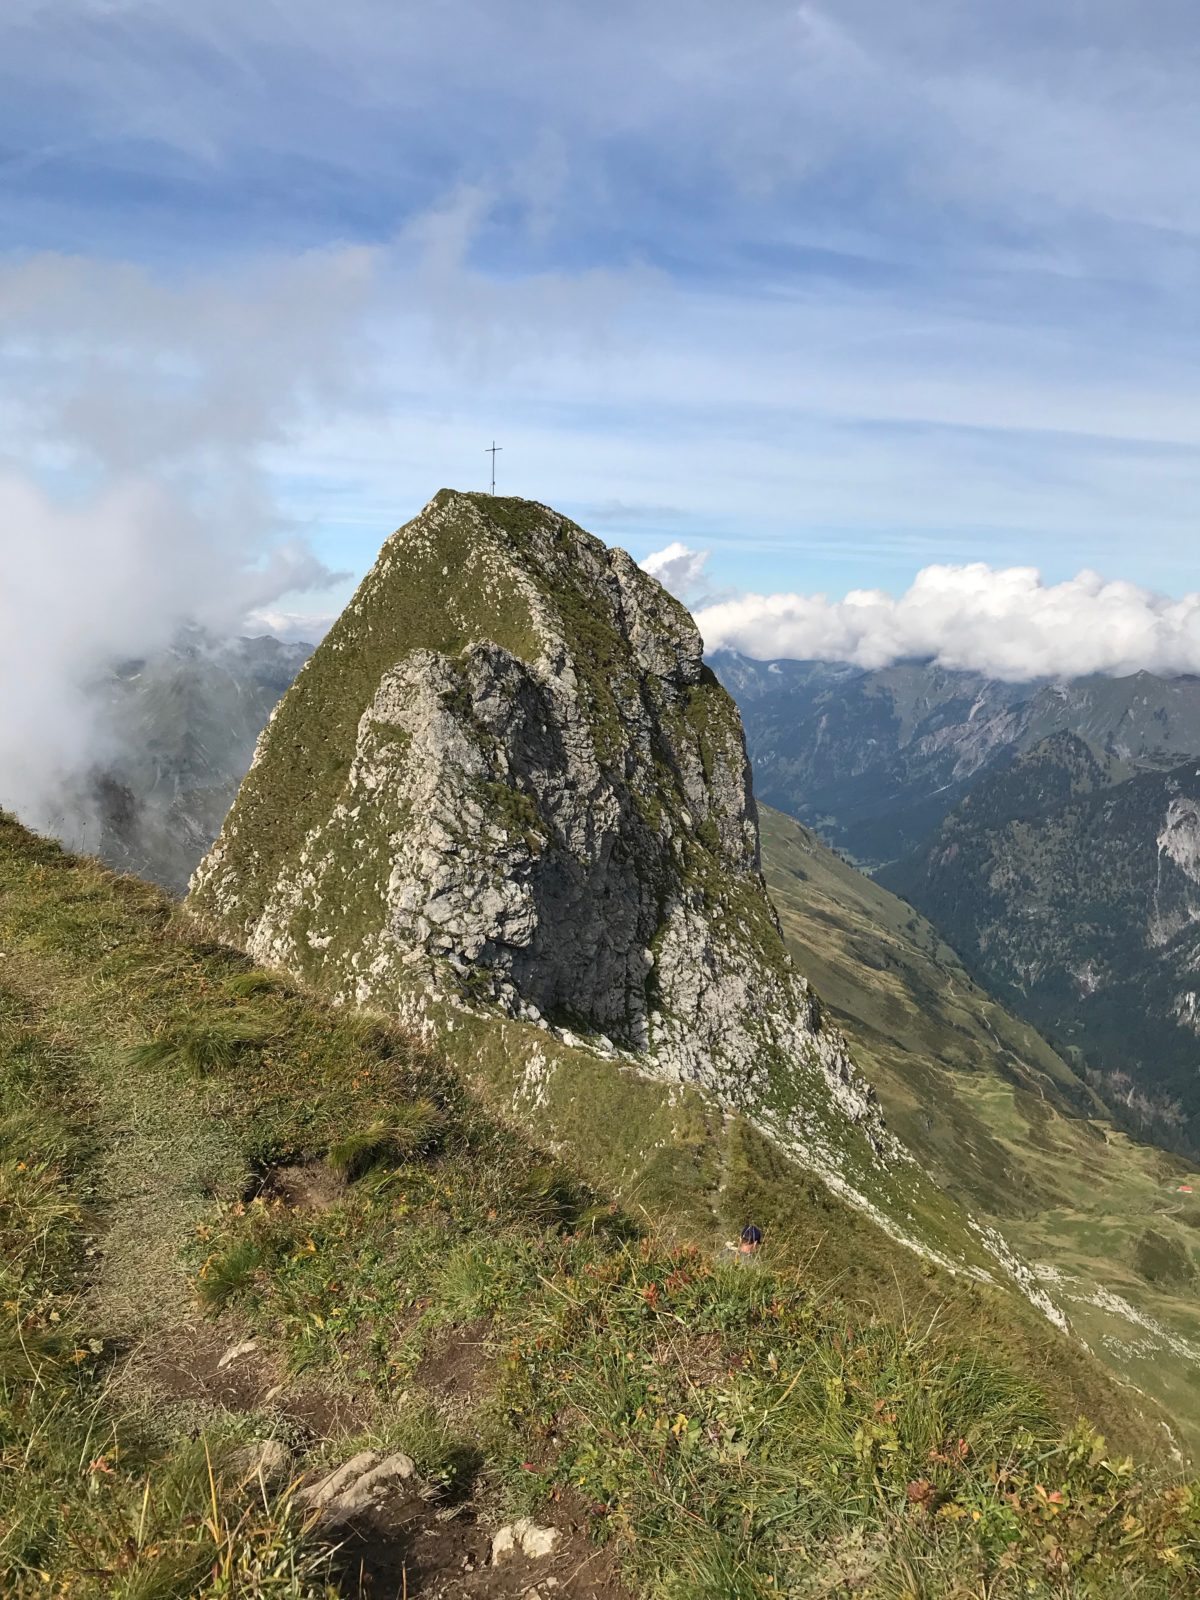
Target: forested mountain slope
(1079, 902)
(1001, 1120)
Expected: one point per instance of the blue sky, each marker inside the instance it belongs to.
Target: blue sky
(832, 292)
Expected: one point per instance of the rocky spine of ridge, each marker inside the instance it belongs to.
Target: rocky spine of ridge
(506, 776)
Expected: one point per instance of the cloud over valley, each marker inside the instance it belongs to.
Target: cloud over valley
(1004, 622)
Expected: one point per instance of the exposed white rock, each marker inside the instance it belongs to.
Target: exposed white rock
(1179, 838)
(331, 1486)
(237, 1352)
(1186, 1010)
(1028, 1279)
(526, 1538)
(357, 1486)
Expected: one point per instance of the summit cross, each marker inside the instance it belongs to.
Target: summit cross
(491, 451)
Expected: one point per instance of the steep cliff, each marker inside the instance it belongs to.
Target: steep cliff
(506, 777)
(1078, 900)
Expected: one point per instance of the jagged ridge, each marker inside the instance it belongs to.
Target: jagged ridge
(507, 774)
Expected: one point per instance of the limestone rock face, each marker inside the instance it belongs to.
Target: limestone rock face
(506, 774)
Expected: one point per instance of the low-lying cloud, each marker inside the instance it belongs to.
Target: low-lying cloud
(680, 570)
(1005, 622)
(133, 495)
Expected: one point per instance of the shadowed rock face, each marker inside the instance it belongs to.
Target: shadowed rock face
(531, 866)
(507, 774)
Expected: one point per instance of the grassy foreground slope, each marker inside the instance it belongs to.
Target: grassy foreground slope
(191, 1151)
(1001, 1120)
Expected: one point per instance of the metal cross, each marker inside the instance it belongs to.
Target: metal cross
(491, 451)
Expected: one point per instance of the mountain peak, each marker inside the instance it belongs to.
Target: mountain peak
(507, 778)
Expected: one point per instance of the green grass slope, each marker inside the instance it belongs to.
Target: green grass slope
(191, 1152)
(1001, 1121)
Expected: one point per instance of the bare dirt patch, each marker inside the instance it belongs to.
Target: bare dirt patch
(307, 1186)
(186, 1365)
(416, 1548)
(458, 1363)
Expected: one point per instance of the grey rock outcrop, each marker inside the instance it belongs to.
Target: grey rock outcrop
(507, 776)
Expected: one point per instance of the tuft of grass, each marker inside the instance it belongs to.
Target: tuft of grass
(443, 1456)
(250, 984)
(209, 1042)
(408, 1132)
(231, 1273)
(717, 1565)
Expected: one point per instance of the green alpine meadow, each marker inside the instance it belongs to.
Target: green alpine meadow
(521, 1167)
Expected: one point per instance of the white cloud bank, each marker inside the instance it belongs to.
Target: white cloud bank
(679, 569)
(1004, 622)
(133, 497)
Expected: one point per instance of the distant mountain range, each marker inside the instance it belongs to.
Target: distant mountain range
(875, 760)
(1050, 831)
(181, 726)
(1078, 900)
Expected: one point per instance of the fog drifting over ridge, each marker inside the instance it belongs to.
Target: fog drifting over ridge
(133, 497)
(1004, 622)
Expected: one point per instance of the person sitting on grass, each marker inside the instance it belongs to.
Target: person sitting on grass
(751, 1240)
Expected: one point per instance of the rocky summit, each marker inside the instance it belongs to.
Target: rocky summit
(507, 778)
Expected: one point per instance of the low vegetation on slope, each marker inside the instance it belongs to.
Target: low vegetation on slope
(191, 1152)
(1002, 1122)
